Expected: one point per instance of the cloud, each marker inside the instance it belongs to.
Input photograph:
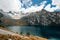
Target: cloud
(10, 5)
(27, 10)
(27, 3)
(33, 8)
(50, 9)
(54, 2)
(16, 5)
(39, 8)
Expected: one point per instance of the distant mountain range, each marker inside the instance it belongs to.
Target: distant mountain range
(35, 18)
(7, 18)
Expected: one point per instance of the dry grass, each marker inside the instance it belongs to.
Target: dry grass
(18, 36)
(12, 37)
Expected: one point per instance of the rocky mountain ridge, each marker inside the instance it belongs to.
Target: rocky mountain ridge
(35, 18)
(43, 18)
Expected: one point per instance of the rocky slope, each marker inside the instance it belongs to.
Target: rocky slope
(36, 18)
(8, 18)
(42, 18)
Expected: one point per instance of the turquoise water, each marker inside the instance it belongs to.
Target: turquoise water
(24, 29)
(50, 32)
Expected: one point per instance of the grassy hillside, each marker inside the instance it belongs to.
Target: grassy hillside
(14, 36)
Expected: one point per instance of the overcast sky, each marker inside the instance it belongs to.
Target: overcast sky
(10, 5)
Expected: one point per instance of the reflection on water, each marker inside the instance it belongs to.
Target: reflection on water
(25, 29)
(43, 31)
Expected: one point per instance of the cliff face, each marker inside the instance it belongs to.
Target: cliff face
(43, 18)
